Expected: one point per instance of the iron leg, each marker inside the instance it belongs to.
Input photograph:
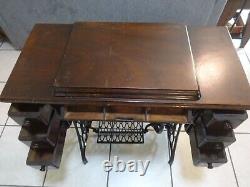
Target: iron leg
(173, 131)
(82, 138)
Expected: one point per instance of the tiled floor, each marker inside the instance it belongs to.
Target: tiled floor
(12, 163)
(14, 172)
(154, 149)
(72, 172)
(185, 174)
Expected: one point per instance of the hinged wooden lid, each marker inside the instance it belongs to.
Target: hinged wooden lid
(128, 60)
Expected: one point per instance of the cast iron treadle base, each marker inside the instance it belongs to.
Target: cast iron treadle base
(125, 132)
(173, 131)
(121, 132)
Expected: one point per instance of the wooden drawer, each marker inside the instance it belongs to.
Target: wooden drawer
(35, 130)
(42, 154)
(20, 112)
(150, 114)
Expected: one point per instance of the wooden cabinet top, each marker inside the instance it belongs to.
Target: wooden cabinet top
(71, 58)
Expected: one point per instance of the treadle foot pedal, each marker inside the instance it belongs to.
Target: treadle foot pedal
(120, 132)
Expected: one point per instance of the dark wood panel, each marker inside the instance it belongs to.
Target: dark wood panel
(220, 74)
(42, 154)
(128, 60)
(34, 130)
(33, 76)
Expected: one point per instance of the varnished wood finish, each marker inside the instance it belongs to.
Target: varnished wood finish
(128, 60)
(33, 76)
(221, 78)
(131, 113)
(219, 70)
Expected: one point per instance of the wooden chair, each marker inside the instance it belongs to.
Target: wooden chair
(239, 29)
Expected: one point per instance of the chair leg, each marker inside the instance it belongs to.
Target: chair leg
(245, 33)
(228, 12)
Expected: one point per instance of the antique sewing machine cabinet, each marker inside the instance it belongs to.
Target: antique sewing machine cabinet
(121, 80)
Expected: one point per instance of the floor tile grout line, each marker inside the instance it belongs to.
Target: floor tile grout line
(246, 55)
(107, 182)
(11, 125)
(4, 127)
(45, 175)
(170, 167)
(231, 160)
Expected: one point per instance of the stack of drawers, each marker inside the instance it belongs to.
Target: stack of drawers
(43, 130)
(211, 133)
